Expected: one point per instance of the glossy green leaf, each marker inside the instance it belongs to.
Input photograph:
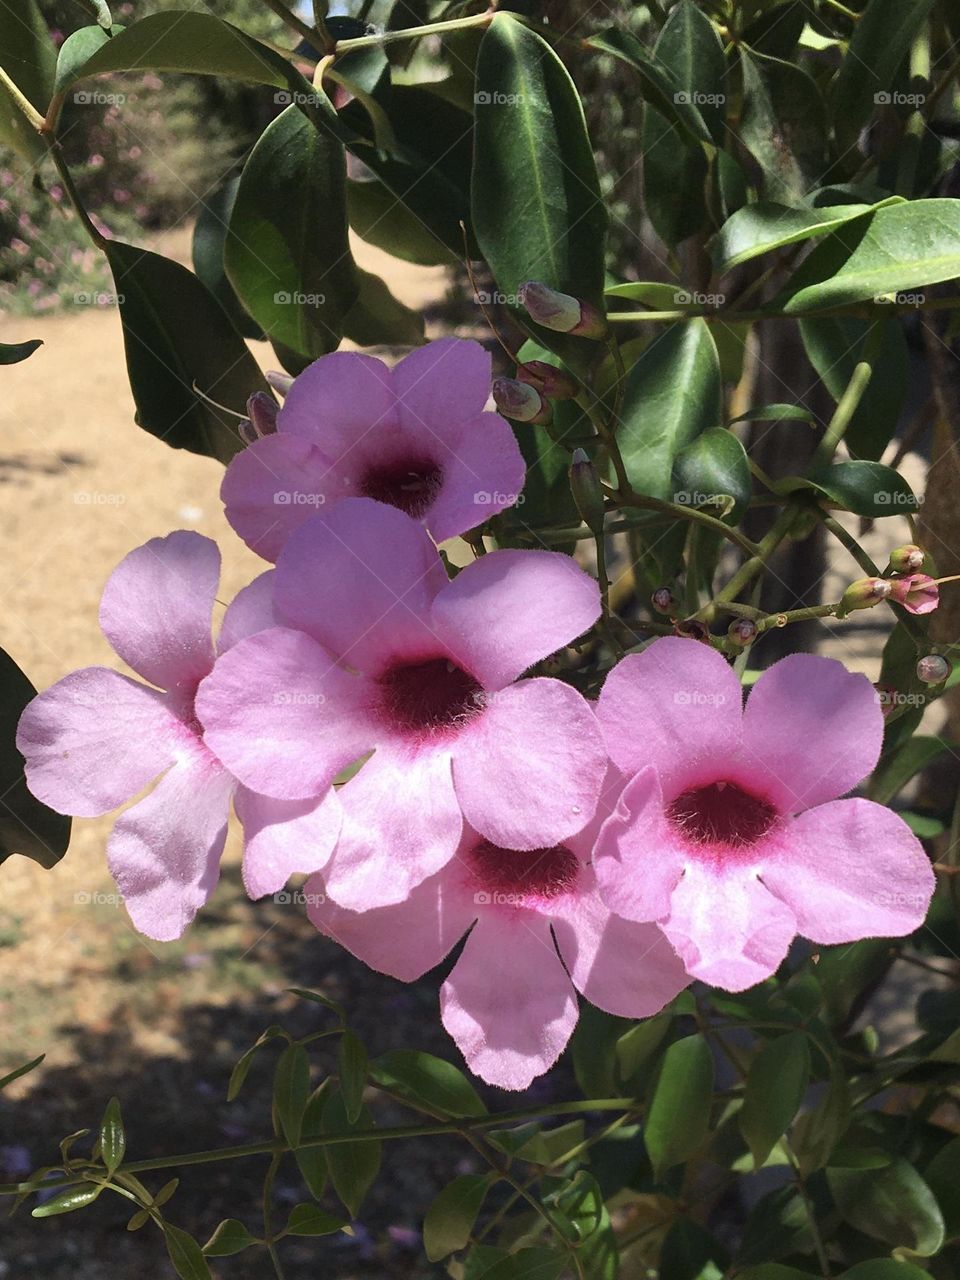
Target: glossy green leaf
(317, 997)
(353, 1073)
(636, 1048)
(892, 1204)
(776, 1084)
(817, 1132)
(942, 1176)
(892, 775)
(377, 318)
(353, 1165)
(24, 1070)
(185, 1254)
(762, 227)
(113, 1141)
(672, 395)
(689, 48)
(311, 1220)
(177, 337)
(777, 29)
(287, 252)
(537, 210)
(865, 488)
(209, 239)
(834, 345)
(14, 352)
(230, 1237)
(431, 1082)
(777, 1226)
(68, 1201)
(26, 826)
(678, 1115)
(291, 1089)
(660, 86)
(312, 1161)
(449, 1220)
(380, 218)
(652, 293)
(783, 125)
(713, 471)
(242, 1068)
(843, 972)
(173, 41)
(895, 250)
(775, 413)
(880, 42)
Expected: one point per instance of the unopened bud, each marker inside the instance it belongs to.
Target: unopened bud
(691, 629)
(933, 669)
(520, 401)
(561, 312)
(917, 592)
(262, 411)
(550, 381)
(742, 631)
(664, 601)
(863, 594)
(907, 559)
(281, 382)
(587, 491)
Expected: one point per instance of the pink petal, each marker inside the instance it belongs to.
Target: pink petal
(510, 609)
(250, 611)
(508, 1002)
(623, 967)
(676, 705)
(851, 869)
(95, 739)
(401, 824)
(483, 474)
(812, 730)
(442, 384)
(273, 486)
(282, 716)
(729, 930)
(157, 605)
(285, 837)
(337, 399)
(405, 940)
(164, 853)
(361, 579)
(528, 770)
(637, 860)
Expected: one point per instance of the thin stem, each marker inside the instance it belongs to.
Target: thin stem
(592, 410)
(729, 315)
(313, 38)
(414, 33)
(850, 400)
(68, 185)
(693, 514)
(818, 1244)
(24, 105)
(756, 564)
(267, 1214)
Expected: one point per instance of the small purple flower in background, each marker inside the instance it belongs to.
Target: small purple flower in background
(415, 437)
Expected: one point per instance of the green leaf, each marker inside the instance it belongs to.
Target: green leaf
(311, 1220)
(291, 1089)
(176, 336)
(765, 226)
(865, 488)
(113, 1140)
(185, 1254)
(660, 85)
(783, 125)
(880, 42)
(689, 48)
(430, 1082)
(450, 1218)
(317, 997)
(377, 318)
(775, 413)
(353, 1165)
(174, 41)
(287, 252)
(14, 352)
(547, 1146)
(778, 1225)
(883, 1269)
(892, 1204)
(896, 249)
(942, 1176)
(817, 1132)
(243, 1065)
(230, 1237)
(312, 1161)
(892, 775)
(26, 826)
(25, 1070)
(636, 1047)
(678, 1116)
(68, 1201)
(28, 56)
(672, 394)
(776, 1083)
(537, 210)
(691, 1252)
(713, 470)
(209, 238)
(353, 1073)
(380, 218)
(652, 293)
(526, 1264)
(844, 972)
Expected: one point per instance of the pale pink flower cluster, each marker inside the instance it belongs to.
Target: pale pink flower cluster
(617, 849)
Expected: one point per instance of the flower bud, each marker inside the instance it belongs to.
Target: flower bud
(933, 669)
(561, 312)
(550, 381)
(664, 601)
(262, 411)
(281, 382)
(906, 559)
(692, 629)
(863, 594)
(587, 491)
(742, 631)
(520, 401)
(917, 592)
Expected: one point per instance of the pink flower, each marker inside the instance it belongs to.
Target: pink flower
(415, 437)
(540, 934)
(96, 739)
(917, 592)
(380, 651)
(729, 833)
